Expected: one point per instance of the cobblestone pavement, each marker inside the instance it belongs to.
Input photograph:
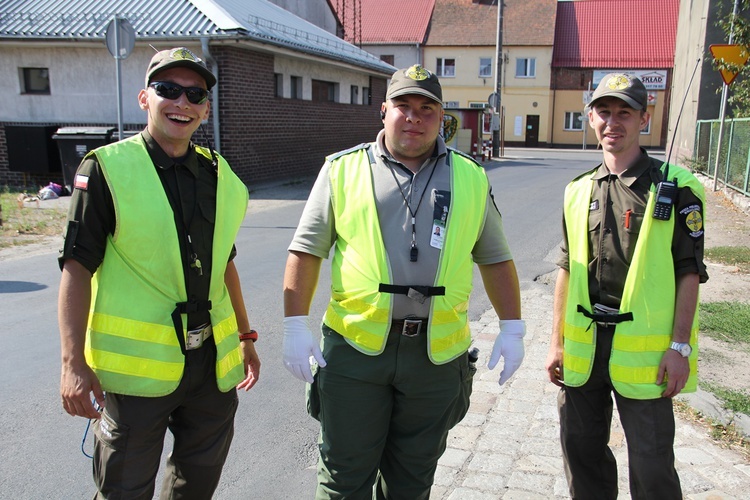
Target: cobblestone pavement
(507, 446)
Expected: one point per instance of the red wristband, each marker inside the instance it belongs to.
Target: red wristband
(251, 335)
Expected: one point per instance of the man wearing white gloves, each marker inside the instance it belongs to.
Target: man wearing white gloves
(407, 218)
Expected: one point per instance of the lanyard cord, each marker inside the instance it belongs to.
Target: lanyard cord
(413, 251)
(195, 262)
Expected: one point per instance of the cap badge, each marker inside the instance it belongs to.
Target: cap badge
(619, 82)
(417, 73)
(183, 54)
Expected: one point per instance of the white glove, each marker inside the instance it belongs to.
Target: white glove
(509, 345)
(298, 346)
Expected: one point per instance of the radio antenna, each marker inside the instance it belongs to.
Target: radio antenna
(682, 107)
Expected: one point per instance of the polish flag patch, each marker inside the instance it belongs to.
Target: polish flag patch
(81, 182)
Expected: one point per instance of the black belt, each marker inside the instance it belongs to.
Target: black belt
(416, 292)
(408, 327)
(605, 319)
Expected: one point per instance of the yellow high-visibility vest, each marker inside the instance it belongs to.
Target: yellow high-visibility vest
(131, 342)
(649, 293)
(357, 310)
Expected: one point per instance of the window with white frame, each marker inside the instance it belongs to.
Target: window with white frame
(485, 67)
(446, 67)
(573, 120)
(526, 67)
(450, 104)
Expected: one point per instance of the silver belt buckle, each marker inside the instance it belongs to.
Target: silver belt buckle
(195, 338)
(411, 328)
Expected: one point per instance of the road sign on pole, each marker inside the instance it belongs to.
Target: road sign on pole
(120, 39)
(733, 54)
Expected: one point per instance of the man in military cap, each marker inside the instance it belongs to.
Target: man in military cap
(625, 312)
(407, 218)
(150, 304)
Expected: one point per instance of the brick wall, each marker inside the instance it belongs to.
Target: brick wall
(571, 79)
(266, 138)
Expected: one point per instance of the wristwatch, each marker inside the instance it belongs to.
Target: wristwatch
(682, 347)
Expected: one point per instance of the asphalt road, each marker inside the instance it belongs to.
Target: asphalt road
(274, 451)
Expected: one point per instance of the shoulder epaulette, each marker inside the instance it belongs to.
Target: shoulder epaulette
(467, 156)
(359, 147)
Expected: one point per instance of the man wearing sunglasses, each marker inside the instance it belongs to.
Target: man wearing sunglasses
(151, 311)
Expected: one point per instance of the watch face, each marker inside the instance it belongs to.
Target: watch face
(684, 349)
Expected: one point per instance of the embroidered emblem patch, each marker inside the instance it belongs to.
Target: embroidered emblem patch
(692, 219)
(417, 73)
(619, 82)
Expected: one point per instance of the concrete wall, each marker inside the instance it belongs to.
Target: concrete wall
(403, 55)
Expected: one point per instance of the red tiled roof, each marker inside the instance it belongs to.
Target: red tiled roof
(463, 22)
(391, 21)
(615, 34)
(529, 22)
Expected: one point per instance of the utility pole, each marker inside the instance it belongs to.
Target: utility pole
(498, 72)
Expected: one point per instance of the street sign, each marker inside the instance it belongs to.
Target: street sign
(120, 38)
(734, 54)
(493, 99)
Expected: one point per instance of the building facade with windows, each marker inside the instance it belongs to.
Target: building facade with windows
(643, 46)
(288, 93)
(462, 49)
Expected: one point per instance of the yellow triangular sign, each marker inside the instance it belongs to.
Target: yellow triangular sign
(734, 54)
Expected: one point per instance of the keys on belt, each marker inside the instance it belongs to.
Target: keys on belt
(409, 327)
(195, 338)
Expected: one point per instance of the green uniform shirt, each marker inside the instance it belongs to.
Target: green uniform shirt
(615, 215)
(190, 184)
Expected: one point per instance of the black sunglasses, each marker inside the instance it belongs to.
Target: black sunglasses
(172, 91)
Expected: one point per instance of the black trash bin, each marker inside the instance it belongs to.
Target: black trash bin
(74, 143)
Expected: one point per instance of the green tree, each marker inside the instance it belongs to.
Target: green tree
(738, 27)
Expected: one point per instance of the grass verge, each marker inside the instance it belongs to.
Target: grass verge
(732, 400)
(735, 256)
(729, 321)
(726, 436)
(24, 220)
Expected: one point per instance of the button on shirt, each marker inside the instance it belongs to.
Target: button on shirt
(190, 185)
(616, 212)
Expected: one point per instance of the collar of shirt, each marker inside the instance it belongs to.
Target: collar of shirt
(381, 151)
(163, 161)
(631, 174)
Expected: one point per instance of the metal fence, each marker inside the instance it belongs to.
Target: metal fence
(734, 157)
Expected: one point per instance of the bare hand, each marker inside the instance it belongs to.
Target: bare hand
(676, 370)
(77, 383)
(252, 365)
(554, 365)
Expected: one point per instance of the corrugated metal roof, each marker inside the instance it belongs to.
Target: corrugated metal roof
(256, 20)
(615, 34)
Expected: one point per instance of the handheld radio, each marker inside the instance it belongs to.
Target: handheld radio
(666, 191)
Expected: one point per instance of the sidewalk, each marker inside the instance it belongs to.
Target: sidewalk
(507, 446)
